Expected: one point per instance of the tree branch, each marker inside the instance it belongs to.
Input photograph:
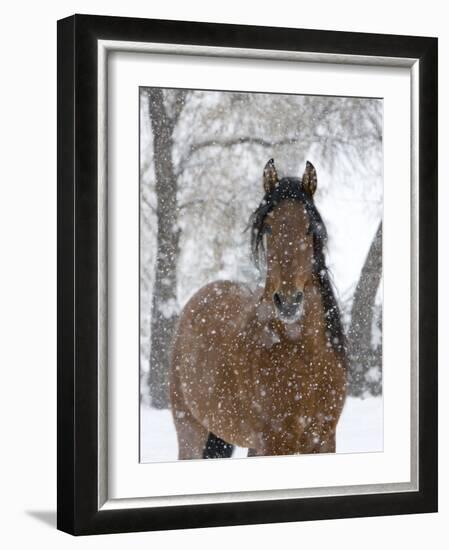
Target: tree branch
(233, 142)
(240, 141)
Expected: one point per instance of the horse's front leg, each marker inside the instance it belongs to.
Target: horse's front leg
(318, 439)
(191, 435)
(276, 444)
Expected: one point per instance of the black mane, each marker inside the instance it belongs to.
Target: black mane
(291, 188)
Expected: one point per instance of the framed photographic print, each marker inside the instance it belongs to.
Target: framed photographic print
(247, 272)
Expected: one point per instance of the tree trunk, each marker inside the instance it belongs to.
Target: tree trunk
(362, 356)
(164, 302)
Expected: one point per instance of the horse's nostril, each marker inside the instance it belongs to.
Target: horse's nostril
(287, 303)
(277, 300)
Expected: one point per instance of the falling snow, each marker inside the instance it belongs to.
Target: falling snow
(219, 144)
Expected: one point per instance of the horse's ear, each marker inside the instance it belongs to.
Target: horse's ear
(309, 179)
(270, 176)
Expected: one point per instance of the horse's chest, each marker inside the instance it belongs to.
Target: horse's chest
(290, 383)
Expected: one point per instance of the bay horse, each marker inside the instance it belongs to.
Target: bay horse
(264, 370)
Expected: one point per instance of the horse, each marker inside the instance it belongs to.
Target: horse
(264, 370)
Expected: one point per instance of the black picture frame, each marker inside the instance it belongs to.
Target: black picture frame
(77, 403)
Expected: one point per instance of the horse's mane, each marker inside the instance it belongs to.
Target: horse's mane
(291, 188)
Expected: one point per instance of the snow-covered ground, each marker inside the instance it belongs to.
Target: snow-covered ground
(360, 430)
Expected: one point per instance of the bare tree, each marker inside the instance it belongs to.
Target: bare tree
(362, 356)
(164, 301)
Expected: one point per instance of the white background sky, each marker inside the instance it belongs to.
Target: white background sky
(28, 275)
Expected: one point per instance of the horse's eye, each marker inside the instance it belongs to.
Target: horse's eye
(267, 230)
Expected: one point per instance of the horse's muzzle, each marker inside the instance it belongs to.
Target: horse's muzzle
(289, 308)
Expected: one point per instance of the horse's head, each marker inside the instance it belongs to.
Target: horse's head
(288, 227)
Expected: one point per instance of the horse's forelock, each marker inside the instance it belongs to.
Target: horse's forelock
(288, 188)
